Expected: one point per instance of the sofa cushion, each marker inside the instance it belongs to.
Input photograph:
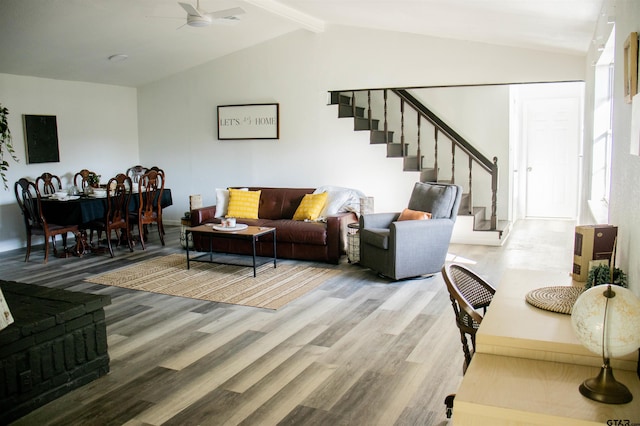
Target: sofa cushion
(377, 237)
(434, 198)
(280, 203)
(243, 204)
(310, 206)
(295, 231)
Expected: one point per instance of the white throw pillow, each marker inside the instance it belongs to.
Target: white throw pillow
(352, 204)
(222, 201)
(335, 201)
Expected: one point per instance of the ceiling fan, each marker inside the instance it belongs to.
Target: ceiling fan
(197, 17)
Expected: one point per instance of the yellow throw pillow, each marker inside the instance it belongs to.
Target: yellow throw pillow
(408, 214)
(243, 204)
(310, 206)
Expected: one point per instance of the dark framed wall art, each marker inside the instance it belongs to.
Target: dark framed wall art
(41, 136)
(250, 121)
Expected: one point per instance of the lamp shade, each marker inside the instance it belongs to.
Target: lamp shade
(622, 333)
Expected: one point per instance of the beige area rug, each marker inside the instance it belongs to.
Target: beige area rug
(271, 288)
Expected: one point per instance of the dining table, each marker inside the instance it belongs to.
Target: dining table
(83, 209)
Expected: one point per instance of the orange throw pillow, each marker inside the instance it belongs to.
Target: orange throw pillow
(408, 214)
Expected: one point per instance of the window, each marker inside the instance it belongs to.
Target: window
(602, 127)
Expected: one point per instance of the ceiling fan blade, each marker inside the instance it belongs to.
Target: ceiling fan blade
(227, 13)
(190, 9)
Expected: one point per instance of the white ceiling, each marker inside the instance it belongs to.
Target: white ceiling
(72, 39)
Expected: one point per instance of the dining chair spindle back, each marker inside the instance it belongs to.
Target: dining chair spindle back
(150, 189)
(117, 214)
(30, 203)
(81, 179)
(135, 172)
(48, 183)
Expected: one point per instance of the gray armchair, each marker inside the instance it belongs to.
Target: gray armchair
(411, 248)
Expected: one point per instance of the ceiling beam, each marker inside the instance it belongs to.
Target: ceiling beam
(307, 21)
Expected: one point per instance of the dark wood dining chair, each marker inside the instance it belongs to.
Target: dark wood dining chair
(468, 293)
(135, 172)
(80, 179)
(30, 202)
(161, 173)
(116, 217)
(150, 189)
(48, 183)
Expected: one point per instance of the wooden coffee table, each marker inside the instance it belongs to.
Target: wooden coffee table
(251, 233)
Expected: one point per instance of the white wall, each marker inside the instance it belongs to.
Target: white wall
(97, 130)
(624, 207)
(625, 174)
(177, 116)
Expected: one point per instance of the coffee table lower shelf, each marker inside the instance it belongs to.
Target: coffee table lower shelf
(252, 233)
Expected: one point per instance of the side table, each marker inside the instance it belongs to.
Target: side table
(185, 222)
(353, 242)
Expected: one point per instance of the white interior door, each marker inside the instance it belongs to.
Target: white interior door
(552, 135)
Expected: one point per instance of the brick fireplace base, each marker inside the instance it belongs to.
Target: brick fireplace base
(57, 343)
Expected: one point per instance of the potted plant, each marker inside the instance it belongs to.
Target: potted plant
(93, 180)
(6, 146)
(601, 274)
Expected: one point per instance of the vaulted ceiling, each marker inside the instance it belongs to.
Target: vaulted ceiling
(73, 39)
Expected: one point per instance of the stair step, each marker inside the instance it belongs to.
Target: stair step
(378, 137)
(394, 150)
(485, 225)
(479, 213)
(465, 204)
(363, 124)
(347, 111)
(428, 175)
(411, 164)
(339, 98)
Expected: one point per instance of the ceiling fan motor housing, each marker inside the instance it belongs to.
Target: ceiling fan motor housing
(198, 21)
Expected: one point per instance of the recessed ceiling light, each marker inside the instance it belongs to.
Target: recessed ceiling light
(118, 58)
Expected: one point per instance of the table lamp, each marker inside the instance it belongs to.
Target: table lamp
(606, 320)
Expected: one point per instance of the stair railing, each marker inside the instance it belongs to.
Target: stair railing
(440, 126)
(457, 141)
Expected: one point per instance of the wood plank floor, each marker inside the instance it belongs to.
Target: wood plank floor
(358, 350)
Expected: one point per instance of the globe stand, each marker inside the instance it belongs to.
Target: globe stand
(605, 388)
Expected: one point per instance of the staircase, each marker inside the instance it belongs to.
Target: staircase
(378, 111)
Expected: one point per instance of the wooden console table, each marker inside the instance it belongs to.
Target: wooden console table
(528, 365)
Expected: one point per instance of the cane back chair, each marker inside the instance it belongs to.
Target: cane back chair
(468, 293)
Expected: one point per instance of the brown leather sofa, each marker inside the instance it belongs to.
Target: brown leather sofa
(320, 241)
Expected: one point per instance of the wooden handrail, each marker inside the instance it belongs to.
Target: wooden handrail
(444, 128)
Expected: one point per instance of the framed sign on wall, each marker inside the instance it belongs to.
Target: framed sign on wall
(251, 121)
(41, 135)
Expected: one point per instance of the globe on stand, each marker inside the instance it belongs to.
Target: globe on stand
(606, 320)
